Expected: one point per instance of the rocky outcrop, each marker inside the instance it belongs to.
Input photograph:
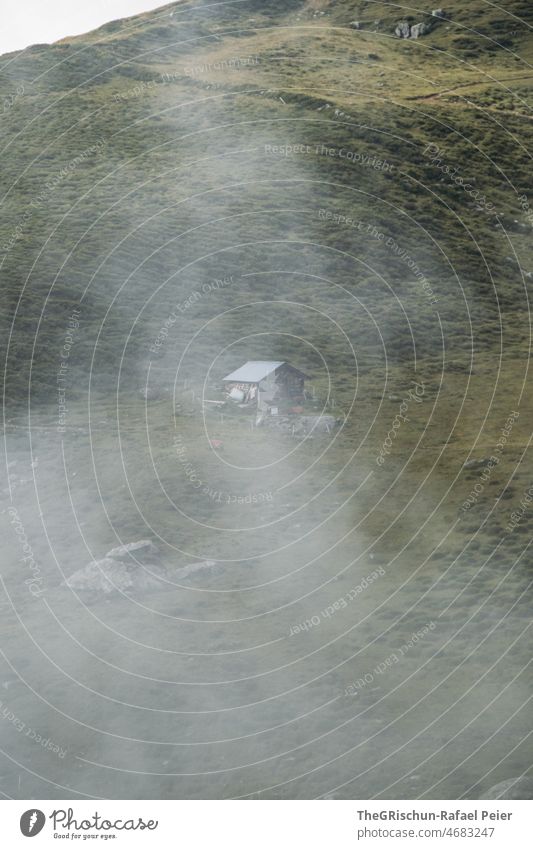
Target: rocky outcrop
(403, 30)
(107, 576)
(406, 30)
(417, 30)
(513, 788)
(131, 568)
(134, 566)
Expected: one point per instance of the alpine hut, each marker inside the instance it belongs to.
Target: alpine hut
(265, 383)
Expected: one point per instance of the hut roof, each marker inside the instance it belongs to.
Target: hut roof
(253, 371)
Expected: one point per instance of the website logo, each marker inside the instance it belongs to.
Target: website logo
(32, 822)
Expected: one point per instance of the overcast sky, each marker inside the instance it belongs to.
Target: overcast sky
(26, 22)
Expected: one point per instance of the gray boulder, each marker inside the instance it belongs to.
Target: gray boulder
(406, 30)
(107, 576)
(477, 464)
(418, 30)
(143, 551)
(513, 788)
(403, 30)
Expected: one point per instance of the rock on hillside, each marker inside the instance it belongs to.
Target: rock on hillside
(406, 30)
(122, 569)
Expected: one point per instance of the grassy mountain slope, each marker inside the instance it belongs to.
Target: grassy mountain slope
(170, 113)
(210, 183)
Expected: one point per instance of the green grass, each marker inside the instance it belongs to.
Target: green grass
(185, 192)
(145, 182)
